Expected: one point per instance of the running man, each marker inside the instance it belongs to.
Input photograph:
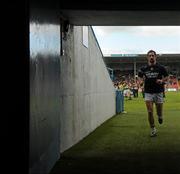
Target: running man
(154, 76)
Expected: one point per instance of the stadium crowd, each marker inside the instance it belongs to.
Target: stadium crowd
(131, 86)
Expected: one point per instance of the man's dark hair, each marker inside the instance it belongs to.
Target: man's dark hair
(151, 51)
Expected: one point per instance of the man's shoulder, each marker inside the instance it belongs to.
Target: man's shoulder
(160, 65)
(144, 67)
(162, 68)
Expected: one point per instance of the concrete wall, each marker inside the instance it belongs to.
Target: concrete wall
(70, 95)
(44, 90)
(87, 94)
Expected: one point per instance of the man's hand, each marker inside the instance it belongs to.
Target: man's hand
(162, 81)
(159, 81)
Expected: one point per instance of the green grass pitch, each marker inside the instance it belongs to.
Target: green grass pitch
(122, 144)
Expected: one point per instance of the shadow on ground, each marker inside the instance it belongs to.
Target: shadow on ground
(166, 163)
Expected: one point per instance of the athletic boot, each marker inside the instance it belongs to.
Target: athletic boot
(160, 120)
(153, 132)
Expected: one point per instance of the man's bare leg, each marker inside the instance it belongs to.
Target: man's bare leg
(149, 106)
(159, 108)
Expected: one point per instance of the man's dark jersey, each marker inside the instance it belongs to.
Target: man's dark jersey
(151, 73)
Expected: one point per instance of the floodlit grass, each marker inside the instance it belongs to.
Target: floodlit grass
(122, 144)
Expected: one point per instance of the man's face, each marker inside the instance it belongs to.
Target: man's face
(151, 58)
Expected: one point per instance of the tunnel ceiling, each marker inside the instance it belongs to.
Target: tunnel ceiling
(123, 18)
(122, 12)
(115, 12)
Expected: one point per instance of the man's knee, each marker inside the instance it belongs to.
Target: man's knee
(150, 109)
(150, 112)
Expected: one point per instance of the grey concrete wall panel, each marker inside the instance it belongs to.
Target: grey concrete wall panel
(44, 91)
(87, 94)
